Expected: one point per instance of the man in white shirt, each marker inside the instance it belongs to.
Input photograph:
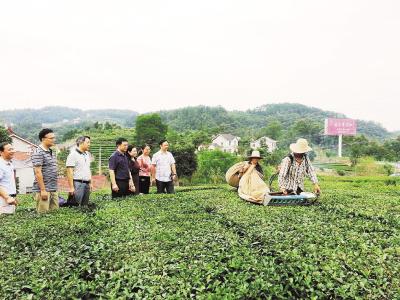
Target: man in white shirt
(78, 171)
(8, 188)
(164, 169)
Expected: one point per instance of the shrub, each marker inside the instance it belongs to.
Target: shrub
(213, 164)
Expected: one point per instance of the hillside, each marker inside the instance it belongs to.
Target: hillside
(27, 122)
(240, 122)
(54, 115)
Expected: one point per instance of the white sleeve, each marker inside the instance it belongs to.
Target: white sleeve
(71, 161)
(172, 159)
(154, 160)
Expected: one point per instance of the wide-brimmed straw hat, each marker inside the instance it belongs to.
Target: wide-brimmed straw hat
(255, 154)
(301, 146)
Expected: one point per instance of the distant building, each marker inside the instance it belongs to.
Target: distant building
(202, 147)
(263, 142)
(226, 143)
(22, 162)
(68, 145)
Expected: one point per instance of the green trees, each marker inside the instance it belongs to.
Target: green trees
(359, 146)
(392, 149)
(273, 130)
(212, 165)
(4, 137)
(150, 130)
(186, 159)
(308, 129)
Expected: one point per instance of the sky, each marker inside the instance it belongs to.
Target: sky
(341, 55)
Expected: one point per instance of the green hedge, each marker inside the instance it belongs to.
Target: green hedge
(205, 243)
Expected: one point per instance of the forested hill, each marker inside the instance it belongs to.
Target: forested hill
(28, 122)
(239, 122)
(59, 114)
(289, 116)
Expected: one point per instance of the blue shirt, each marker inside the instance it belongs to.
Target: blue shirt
(119, 163)
(7, 178)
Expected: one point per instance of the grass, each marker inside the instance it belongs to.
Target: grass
(205, 243)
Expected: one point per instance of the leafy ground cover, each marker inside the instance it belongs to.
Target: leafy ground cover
(205, 243)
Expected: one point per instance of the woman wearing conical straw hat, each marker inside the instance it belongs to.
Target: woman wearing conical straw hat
(295, 167)
(252, 187)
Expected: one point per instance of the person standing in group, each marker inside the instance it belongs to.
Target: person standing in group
(144, 161)
(8, 189)
(164, 169)
(134, 167)
(44, 163)
(120, 175)
(78, 171)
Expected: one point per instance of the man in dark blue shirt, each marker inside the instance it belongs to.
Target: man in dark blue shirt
(120, 175)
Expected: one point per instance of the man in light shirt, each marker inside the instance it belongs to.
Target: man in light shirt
(8, 188)
(78, 171)
(164, 169)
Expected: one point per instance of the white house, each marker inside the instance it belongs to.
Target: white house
(22, 162)
(264, 142)
(226, 143)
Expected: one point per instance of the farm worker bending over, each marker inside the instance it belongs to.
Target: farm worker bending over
(295, 167)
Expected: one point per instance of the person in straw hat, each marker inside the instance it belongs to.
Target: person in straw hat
(295, 167)
(254, 159)
(236, 172)
(252, 187)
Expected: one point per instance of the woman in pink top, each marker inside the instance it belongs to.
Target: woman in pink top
(144, 161)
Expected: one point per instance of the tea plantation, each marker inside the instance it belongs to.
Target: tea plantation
(206, 243)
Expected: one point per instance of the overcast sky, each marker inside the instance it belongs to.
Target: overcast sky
(341, 55)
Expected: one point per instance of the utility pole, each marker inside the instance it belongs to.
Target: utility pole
(100, 160)
(340, 145)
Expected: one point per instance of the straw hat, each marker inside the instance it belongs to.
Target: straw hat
(255, 154)
(301, 146)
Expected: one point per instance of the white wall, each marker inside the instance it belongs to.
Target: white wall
(225, 145)
(25, 177)
(21, 146)
(257, 144)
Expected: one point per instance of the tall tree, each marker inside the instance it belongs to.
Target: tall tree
(273, 130)
(185, 156)
(150, 130)
(4, 137)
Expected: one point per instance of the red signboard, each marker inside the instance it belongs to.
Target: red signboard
(340, 126)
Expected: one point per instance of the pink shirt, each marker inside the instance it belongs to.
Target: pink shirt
(145, 165)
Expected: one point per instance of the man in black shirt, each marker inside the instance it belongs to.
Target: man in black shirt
(120, 175)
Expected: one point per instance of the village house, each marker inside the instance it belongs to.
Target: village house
(226, 143)
(22, 162)
(264, 142)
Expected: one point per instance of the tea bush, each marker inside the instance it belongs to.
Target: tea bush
(206, 243)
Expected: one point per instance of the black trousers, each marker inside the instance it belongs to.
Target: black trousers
(123, 186)
(165, 187)
(144, 184)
